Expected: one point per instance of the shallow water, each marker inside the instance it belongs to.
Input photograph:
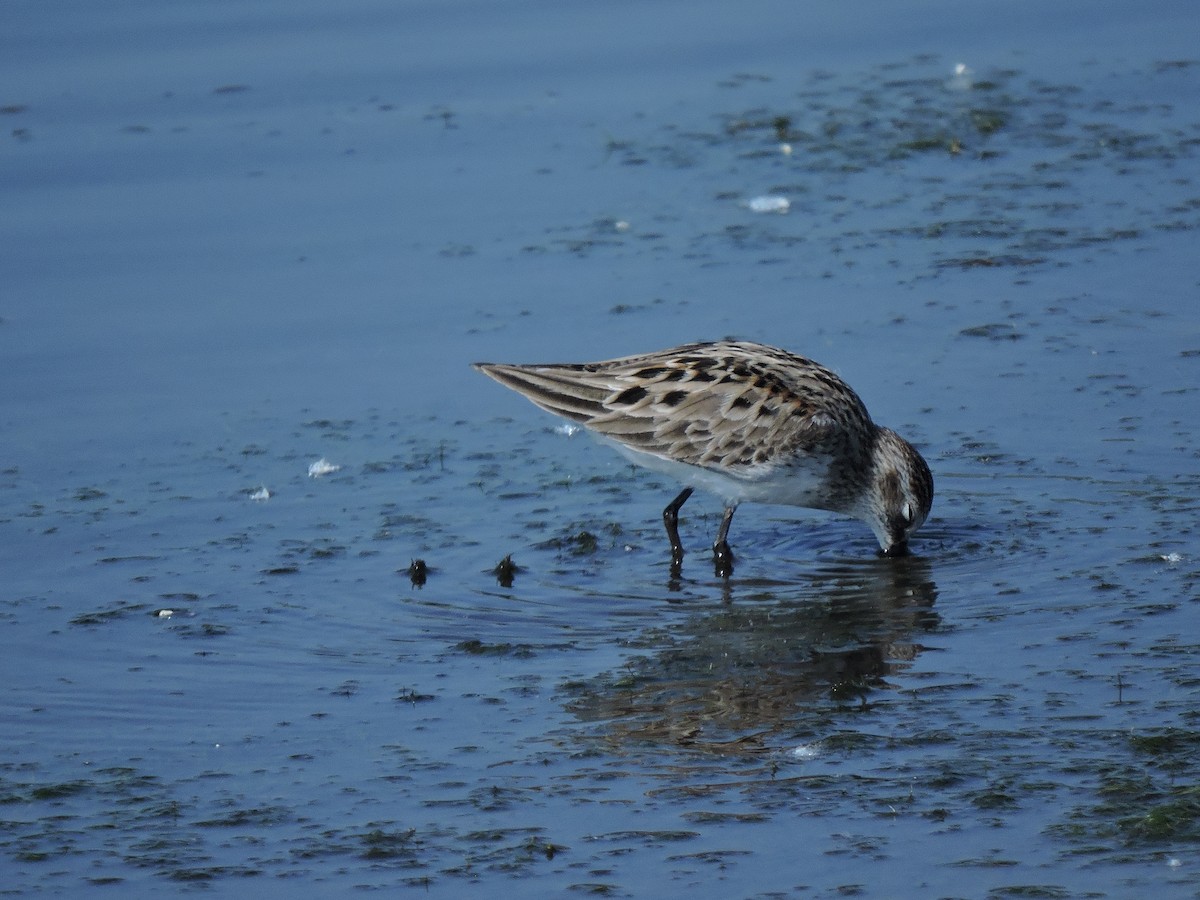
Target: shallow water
(233, 247)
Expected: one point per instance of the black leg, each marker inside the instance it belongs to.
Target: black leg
(671, 520)
(722, 555)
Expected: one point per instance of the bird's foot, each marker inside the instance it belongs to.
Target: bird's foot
(676, 560)
(722, 559)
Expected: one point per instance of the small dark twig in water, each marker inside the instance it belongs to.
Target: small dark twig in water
(417, 572)
(505, 571)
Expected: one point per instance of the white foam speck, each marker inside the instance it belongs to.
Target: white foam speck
(963, 79)
(768, 203)
(322, 467)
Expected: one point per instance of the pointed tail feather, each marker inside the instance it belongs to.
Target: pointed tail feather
(555, 390)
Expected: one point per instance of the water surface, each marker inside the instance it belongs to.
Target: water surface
(237, 243)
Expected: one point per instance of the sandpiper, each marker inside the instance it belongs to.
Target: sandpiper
(744, 421)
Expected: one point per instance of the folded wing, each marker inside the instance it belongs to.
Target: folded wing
(704, 404)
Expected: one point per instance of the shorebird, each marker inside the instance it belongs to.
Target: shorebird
(747, 422)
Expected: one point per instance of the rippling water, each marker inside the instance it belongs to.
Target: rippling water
(237, 243)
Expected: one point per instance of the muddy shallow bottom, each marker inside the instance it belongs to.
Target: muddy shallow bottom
(230, 689)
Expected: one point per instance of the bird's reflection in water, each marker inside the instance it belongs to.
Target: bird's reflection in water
(731, 678)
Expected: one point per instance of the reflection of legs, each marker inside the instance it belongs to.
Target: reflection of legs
(722, 555)
(671, 520)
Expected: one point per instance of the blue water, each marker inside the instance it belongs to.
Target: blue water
(236, 239)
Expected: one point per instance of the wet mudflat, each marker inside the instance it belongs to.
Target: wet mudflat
(223, 669)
